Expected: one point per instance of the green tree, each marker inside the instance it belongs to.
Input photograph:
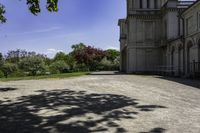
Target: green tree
(1, 74)
(9, 68)
(34, 7)
(33, 65)
(70, 60)
(60, 56)
(77, 47)
(59, 67)
(105, 64)
(1, 60)
(112, 54)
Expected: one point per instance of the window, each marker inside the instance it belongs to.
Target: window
(189, 25)
(155, 4)
(199, 20)
(149, 32)
(148, 3)
(141, 6)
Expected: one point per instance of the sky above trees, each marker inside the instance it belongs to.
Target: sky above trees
(93, 22)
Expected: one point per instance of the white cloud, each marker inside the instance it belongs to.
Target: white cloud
(51, 52)
(111, 47)
(38, 31)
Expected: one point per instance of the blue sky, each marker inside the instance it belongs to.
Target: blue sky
(93, 22)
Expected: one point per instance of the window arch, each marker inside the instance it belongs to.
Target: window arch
(189, 45)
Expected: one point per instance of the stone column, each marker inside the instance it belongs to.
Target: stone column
(159, 3)
(152, 4)
(144, 4)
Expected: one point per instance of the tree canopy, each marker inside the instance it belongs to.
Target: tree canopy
(33, 6)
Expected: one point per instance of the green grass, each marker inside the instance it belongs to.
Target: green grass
(53, 76)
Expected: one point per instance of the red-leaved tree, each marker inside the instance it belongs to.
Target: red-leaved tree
(89, 56)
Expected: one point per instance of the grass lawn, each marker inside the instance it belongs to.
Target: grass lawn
(53, 76)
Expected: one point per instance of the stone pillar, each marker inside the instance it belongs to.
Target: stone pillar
(136, 4)
(159, 3)
(144, 4)
(152, 4)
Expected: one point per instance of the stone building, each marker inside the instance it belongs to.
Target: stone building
(161, 36)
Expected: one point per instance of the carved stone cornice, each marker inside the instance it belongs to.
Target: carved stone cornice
(145, 16)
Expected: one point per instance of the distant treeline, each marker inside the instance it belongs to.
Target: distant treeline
(18, 63)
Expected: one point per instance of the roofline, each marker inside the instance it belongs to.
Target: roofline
(191, 6)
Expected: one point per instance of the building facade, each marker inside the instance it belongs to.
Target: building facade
(160, 36)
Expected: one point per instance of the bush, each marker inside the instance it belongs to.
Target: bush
(81, 68)
(105, 64)
(18, 73)
(9, 68)
(33, 65)
(59, 67)
(1, 74)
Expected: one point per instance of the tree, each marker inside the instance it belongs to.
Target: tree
(71, 61)
(89, 56)
(9, 68)
(112, 54)
(34, 7)
(59, 67)
(105, 64)
(14, 56)
(2, 12)
(77, 47)
(60, 56)
(1, 60)
(32, 64)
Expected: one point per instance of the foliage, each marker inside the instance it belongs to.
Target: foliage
(60, 56)
(89, 56)
(70, 60)
(82, 58)
(32, 64)
(112, 54)
(53, 76)
(59, 67)
(34, 7)
(2, 12)
(18, 73)
(9, 68)
(1, 60)
(77, 47)
(105, 64)
(1, 74)
(14, 56)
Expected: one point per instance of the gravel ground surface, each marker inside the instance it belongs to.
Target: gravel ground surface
(102, 102)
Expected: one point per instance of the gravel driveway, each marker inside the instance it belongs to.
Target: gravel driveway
(102, 102)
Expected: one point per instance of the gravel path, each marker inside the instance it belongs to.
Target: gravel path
(103, 102)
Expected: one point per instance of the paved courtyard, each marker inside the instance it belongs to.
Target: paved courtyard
(101, 102)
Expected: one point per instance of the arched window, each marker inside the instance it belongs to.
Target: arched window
(189, 61)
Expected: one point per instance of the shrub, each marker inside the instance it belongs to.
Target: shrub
(18, 73)
(1, 74)
(105, 64)
(81, 68)
(9, 68)
(33, 65)
(59, 67)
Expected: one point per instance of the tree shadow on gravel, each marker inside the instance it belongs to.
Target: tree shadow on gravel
(66, 111)
(5, 89)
